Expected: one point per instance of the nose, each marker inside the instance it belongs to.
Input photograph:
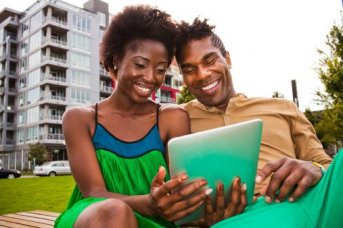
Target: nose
(149, 74)
(204, 72)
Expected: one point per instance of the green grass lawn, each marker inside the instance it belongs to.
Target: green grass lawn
(43, 193)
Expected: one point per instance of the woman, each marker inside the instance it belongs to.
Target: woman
(117, 146)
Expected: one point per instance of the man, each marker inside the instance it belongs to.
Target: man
(291, 154)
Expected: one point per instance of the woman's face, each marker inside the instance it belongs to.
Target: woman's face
(142, 69)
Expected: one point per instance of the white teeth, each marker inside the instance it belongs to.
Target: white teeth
(143, 89)
(210, 86)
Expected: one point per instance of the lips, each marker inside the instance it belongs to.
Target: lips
(210, 88)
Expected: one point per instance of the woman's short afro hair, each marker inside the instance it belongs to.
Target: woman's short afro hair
(136, 22)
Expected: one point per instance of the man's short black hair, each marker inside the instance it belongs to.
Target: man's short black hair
(199, 29)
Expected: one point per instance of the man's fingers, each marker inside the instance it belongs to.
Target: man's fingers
(268, 169)
(302, 186)
(276, 181)
(288, 184)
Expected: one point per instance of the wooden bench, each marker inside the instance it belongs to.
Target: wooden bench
(29, 219)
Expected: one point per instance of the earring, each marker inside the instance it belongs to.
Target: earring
(115, 67)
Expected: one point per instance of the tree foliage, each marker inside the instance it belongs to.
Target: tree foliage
(184, 96)
(330, 71)
(39, 152)
(277, 94)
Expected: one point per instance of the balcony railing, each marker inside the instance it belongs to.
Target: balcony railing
(167, 99)
(55, 20)
(9, 141)
(55, 59)
(52, 78)
(51, 117)
(108, 89)
(54, 40)
(51, 97)
(52, 136)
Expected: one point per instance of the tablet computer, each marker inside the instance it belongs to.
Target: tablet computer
(218, 155)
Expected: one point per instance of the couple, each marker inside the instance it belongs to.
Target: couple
(122, 140)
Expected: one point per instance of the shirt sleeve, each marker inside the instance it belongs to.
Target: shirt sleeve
(307, 145)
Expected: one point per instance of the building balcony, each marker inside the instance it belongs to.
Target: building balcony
(57, 119)
(52, 138)
(53, 98)
(165, 99)
(10, 142)
(56, 61)
(106, 89)
(53, 79)
(62, 23)
(9, 125)
(54, 42)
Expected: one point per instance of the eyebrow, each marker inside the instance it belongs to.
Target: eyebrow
(208, 55)
(148, 60)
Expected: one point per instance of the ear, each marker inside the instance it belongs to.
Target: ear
(228, 59)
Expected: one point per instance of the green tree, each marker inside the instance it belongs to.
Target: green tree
(39, 152)
(184, 96)
(330, 71)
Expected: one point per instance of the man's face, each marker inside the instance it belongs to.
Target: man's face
(206, 73)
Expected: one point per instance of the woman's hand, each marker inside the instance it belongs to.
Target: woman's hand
(221, 210)
(175, 199)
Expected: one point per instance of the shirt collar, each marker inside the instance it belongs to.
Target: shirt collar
(199, 105)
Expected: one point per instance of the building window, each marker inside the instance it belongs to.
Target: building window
(80, 78)
(35, 59)
(102, 18)
(80, 42)
(33, 115)
(33, 78)
(81, 23)
(80, 60)
(32, 133)
(80, 96)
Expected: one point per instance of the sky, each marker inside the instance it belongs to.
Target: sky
(271, 42)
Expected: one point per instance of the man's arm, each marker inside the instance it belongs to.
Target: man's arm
(292, 177)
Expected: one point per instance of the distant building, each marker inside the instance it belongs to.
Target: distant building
(48, 62)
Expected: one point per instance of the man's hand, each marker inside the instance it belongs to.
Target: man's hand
(233, 205)
(290, 177)
(174, 200)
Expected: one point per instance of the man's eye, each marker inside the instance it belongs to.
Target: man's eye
(187, 70)
(210, 61)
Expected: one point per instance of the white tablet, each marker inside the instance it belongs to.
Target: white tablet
(218, 155)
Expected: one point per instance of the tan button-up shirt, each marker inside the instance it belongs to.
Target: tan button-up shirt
(286, 131)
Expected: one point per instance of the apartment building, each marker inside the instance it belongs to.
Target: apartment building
(48, 62)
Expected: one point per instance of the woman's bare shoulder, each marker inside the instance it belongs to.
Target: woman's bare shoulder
(79, 114)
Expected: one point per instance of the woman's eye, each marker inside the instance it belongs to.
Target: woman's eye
(161, 71)
(141, 66)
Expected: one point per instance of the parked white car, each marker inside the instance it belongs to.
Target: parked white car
(52, 169)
